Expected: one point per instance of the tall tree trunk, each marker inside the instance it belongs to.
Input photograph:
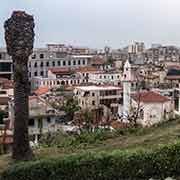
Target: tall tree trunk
(19, 36)
(21, 149)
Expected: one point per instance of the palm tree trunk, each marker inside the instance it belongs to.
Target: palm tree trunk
(21, 147)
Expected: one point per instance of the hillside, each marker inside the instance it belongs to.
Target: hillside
(133, 139)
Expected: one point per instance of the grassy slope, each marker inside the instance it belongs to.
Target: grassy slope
(146, 139)
(143, 139)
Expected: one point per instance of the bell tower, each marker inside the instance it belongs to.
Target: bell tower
(126, 89)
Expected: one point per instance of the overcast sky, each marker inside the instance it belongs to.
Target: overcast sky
(96, 23)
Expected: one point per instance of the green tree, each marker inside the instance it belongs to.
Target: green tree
(70, 107)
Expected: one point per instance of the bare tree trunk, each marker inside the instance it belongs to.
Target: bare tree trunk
(19, 36)
(21, 148)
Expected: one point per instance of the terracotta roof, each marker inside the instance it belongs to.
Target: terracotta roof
(60, 70)
(8, 139)
(97, 61)
(4, 100)
(172, 77)
(86, 69)
(6, 83)
(150, 97)
(41, 90)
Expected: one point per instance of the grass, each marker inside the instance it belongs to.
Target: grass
(144, 139)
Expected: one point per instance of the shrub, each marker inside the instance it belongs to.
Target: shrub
(159, 164)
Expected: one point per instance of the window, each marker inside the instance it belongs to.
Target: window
(104, 77)
(84, 62)
(48, 120)
(42, 73)
(59, 63)
(69, 63)
(0, 56)
(79, 62)
(93, 103)
(74, 62)
(126, 69)
(35, 64)
(47, 63)
(31, 122)
(53, 63)
(42, 64)
(33, 56)
(41, 56)
(29, 64)
(29, 74)
(112, 77)
(118, 76)
(64, 63)
(93, 94)
(35, 73)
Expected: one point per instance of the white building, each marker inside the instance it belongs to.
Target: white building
(63, 76)
(153, 108)
(44, 58)
(105, 77)
(43, 118)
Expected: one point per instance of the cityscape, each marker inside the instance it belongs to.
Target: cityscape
(70, 111)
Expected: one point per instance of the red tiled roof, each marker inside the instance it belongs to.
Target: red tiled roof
(97, 61)
(175, 77)
(8, 139)
(41, 90)
(60, 70)
(6, 83)
(150, 97)
(86, 69)
(4, 100)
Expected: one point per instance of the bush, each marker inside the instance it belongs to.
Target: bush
(163, 162)
(64, 140)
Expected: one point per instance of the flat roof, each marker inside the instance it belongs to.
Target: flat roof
(98, 88)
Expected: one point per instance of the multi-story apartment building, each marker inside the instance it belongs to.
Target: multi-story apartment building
(44, 58)
(136, 48)
(106, 98)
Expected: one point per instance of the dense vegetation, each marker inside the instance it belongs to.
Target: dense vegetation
(142, 152)
(160, 164)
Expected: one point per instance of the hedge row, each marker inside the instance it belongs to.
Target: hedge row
(159, 164)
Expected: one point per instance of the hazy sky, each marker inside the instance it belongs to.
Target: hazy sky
(96, 23)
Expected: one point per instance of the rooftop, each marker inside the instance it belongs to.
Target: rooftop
(150, 97)
(41, 90)
(98, 88)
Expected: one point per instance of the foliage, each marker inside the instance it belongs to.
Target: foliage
(109, 60)
(161, 163)
(62, 140)
(70, 108)
(85, 120)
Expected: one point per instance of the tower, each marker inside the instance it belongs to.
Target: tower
(126, 89)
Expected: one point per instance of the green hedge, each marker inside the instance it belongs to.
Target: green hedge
(162, 163)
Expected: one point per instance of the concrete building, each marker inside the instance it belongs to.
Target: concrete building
(153, 108)
(136, 48)
(105, 77)
(94, 97)
(42, 117)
